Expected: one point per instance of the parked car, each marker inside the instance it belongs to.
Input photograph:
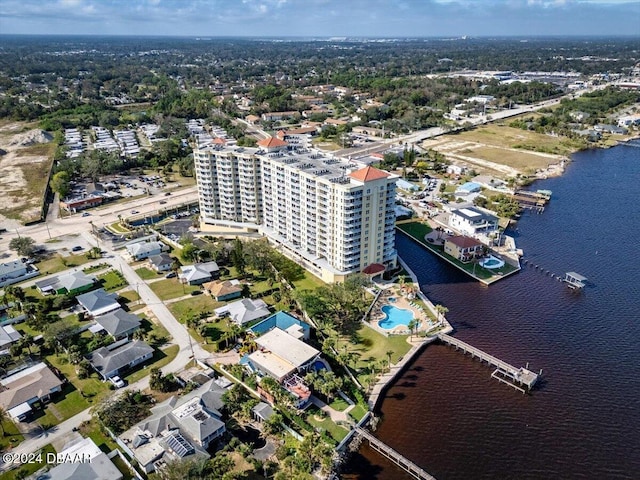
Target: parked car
(170, 275)
(162, 202)
(77, 248)
(167, 194)
(133, 212)
(117, 381)
(85, 214)
(196, 292)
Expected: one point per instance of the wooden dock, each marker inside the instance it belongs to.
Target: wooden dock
(388, 452)
(521, 379)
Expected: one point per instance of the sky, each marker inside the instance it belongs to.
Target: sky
(327, 18)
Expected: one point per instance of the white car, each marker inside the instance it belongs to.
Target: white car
(117, 381)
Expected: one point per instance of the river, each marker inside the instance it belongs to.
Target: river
(583, 422)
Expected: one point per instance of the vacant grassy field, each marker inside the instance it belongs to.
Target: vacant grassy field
(417, 230)
(147, 274)
(58, 263)
(198, 304)
(171, 288)
(523, 161)
(509, 137)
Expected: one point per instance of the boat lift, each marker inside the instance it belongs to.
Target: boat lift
(574, 280)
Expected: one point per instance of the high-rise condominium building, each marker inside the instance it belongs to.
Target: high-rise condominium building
(334, 217)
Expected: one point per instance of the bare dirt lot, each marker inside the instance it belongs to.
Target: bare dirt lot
(26, 154)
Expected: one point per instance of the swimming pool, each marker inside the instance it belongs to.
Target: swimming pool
(395, 316)
(491, 262)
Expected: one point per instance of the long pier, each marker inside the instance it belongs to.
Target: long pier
(388, 452)
(518, 378)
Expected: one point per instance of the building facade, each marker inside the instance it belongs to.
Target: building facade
(334, 217)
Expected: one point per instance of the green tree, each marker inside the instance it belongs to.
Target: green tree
(4, 416)
(60, 183)
(24, 246)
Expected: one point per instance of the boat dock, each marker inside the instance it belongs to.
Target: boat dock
(535, 201)
(388, 452)
(574, 280)
(521, 379)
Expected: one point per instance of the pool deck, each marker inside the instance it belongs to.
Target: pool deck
(402, 303)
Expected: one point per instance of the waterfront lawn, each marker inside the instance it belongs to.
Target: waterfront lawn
(27, 469)
(339, 404)
(309, 282)
(372, 347)
(171, 288)
(325, 424)
(358, 412)
(147, 274)
(417, 230)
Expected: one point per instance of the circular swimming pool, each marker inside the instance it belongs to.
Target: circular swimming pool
(394, 317)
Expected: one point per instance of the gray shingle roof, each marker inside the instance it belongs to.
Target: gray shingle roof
(98, 300)
(105, 360)
(118, 322)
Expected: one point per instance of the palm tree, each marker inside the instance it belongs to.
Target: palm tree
(389, 353)
(4, 416)
(413, 323)
(442, 310)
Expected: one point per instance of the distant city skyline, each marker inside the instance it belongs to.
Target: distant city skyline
(280, 18)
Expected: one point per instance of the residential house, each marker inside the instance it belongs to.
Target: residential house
(161, 262)
(178, 428)
(283, 321)
(468, 188)
(275, 116)
(463, 248)
(199, 273)
(244, 311)
(98, 302)
(72, 283)
(142, 250)
(109, 361)
(76, 204)
(223, 291)
(8, 336)
(629, 120)
(404, 185)
(472, 221)
(96, 465)
(282, 357)
(262, 412)
(118, 323)
(16, 271)
(27, 387)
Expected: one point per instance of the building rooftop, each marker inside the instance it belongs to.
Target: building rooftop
(118, 322)
(105, 360)
(272, 142)
(98, 300)
(27, 384)
(368, 174)
(463, 241)
(281, 353)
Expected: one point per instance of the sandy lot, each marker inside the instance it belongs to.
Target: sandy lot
(25, 160)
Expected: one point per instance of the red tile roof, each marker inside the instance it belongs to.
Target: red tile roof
(272, 142)
(374, 269)
(368, 174)
(464, 242)
(219, 141)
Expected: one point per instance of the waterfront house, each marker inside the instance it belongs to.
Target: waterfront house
(199, 273)
(285, 322)
(72, 283)
(142, 250)
(283, 356)
(98, 302)
(20, 391)
(111, 360)
(178, 428)
(472, 221)
(118, 323)
(244, 311)
(463, 248)
(224, 291)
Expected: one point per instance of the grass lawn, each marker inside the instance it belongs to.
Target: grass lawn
(92, 430)
(68, 403)
(118, 228)
(309, 282)
(172, 288)
(12, 435)
(57, 263)
(147, 274)
(339, 404)
(112, 280)
(198, 305)
(373, 346)
(415, 229)
(129, 295)
(358, 412)
(29, 468)
(148, 326)
(335, 431)
(160, 359)
(95, 268)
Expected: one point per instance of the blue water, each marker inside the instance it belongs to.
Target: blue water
(395, 316)
(583, 421)
(318, 365)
